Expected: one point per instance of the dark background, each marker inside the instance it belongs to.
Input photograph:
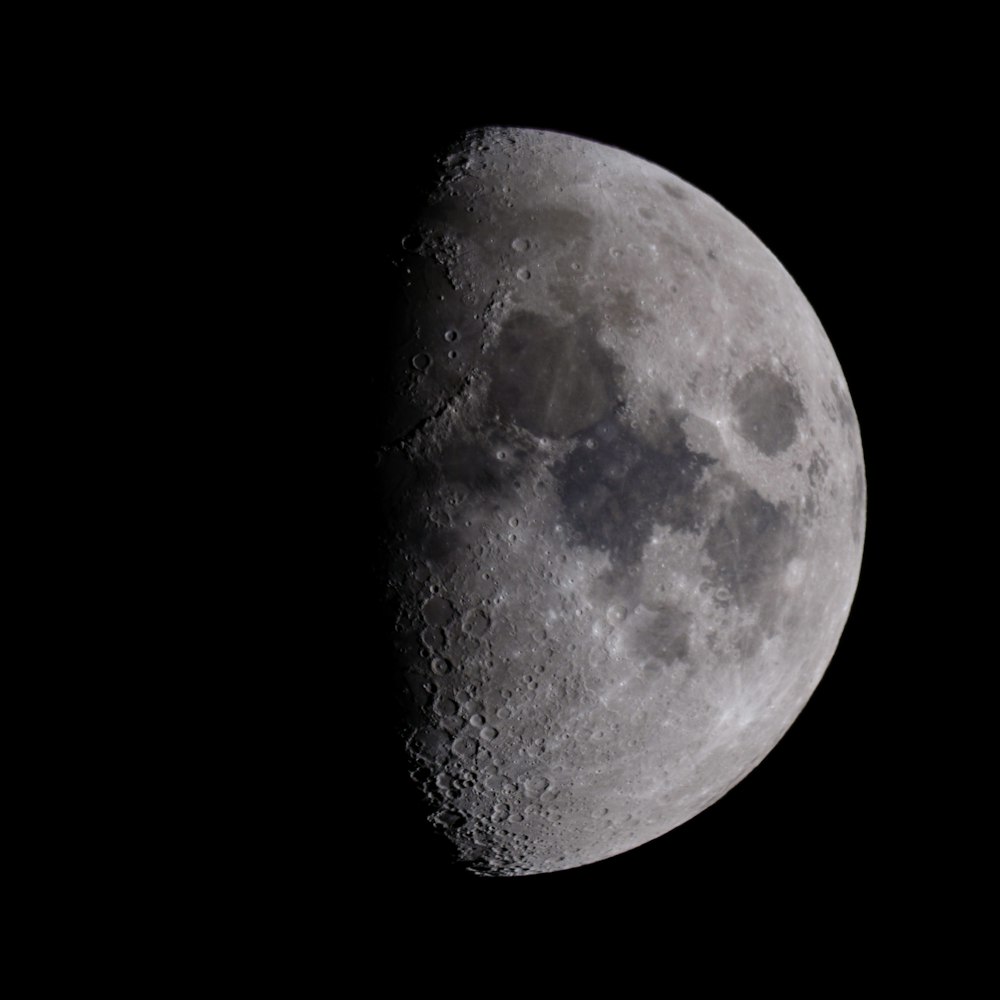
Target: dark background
(838, 813)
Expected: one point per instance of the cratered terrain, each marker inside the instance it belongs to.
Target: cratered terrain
(624, 500)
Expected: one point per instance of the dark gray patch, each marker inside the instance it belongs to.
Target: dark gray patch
(614, 487)
(450, 820)
(438, 611)
(551, 380)
(844, 407)
(674, 191)
(664, 635)
(750, 543)
(429, 745)
(767, 409)
(437, 545)
(473, 465)
(646, 213)
(818, 468)
(858, 504)
(433, 637)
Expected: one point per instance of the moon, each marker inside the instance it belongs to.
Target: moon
(624, 500)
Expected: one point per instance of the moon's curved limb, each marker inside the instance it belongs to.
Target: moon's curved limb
(626, 494)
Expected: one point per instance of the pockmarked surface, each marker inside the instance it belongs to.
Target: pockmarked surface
(625, 494)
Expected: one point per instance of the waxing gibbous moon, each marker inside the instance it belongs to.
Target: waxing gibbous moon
(624, 494)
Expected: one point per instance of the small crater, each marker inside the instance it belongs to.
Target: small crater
(617, 613)
(438, 611)
(534, 787)
(818, 468)
(476, 623)
(465, 746)
(433, 637)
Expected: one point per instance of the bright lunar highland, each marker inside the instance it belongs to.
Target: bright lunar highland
(624, 500)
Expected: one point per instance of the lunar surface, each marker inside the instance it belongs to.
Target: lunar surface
(624, 500)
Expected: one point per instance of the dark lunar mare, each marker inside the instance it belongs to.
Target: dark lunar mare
(751, 540)
(551, 380)
(767, 409)
(614, 487)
